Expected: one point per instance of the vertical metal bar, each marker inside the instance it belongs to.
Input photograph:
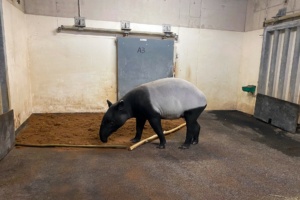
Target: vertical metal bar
(79, 9)
(297, 88)
(298, 102)
(295, 63)
(3, 74)
(264, 63)
(1, 107)
(283, 63)
(273, 63)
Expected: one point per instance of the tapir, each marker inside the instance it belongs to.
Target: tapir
(167, 98)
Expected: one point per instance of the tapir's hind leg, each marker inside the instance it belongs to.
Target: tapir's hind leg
(196, 133)
(192, 126)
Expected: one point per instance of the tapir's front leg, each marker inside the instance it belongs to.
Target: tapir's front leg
(140, 123)
(156, 125)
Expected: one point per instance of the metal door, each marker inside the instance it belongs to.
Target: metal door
(279, 77)
(142, 60)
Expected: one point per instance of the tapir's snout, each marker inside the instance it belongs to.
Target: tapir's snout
(102, 138)
(102, 135)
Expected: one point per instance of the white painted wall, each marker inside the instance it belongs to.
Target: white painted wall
(60, 72)
(77, 73)
(249, 69)
(211, 60)
(15, 31)
(69, 72)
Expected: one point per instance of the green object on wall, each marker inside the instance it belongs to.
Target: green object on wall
(249, 88)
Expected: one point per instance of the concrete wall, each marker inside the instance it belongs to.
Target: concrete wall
(77, 73)
(1, 109)
(7, 133)
(208, 14)
(211, 59)
(51, 72)
(4, 104)
(249, 69)
(81, 74)
(259, 10)
(70, 72)
(19, 4)
(15, 27)
(63, 72)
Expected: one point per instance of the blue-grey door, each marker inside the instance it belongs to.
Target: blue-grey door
(142, 60)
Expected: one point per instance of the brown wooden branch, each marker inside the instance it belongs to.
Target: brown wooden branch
(153, 137)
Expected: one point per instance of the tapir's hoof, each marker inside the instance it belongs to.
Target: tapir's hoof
(161, 146)
(135, 140)
(184, 146)
(194, 142)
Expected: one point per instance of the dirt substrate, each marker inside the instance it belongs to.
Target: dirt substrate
(79, 129)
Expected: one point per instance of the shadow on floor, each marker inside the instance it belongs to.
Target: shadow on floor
(267, 134)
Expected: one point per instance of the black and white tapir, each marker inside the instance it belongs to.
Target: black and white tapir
(168, 98)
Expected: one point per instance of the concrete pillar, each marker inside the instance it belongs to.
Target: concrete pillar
(4, 102)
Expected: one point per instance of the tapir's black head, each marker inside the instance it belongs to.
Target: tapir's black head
(113, 119)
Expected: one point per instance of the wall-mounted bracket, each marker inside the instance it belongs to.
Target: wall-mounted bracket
(125, 27)
(166, 28)
(79, 22)
(281, 12)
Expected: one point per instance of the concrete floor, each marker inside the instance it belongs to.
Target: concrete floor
(238, 157)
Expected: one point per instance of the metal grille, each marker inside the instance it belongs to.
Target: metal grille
(279, 75)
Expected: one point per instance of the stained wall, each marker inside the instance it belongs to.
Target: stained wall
(71, 72)
(18, 69)
(77, 72)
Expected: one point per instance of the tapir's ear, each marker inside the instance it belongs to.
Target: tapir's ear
(121, 105)
(108, 103)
